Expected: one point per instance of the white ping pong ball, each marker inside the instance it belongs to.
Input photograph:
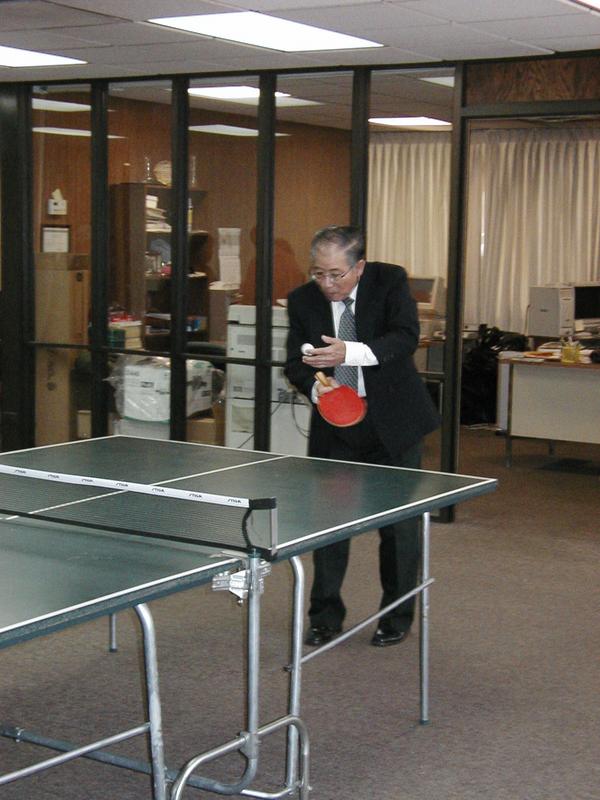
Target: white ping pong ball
(306, 349)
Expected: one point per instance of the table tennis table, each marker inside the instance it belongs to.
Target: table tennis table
(92, 527)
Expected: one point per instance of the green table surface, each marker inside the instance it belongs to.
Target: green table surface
(53, 574)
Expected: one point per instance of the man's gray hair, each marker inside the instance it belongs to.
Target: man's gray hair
(346, 237)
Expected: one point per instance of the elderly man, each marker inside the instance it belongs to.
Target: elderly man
(362, 324)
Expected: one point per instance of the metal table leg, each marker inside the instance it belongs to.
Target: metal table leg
(424, 621)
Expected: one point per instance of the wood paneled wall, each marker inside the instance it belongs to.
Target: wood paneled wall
(63, 162)
(312, 183)
(533, 80)
(312, 164)
(312, 179)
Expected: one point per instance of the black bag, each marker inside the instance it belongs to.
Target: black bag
(480, 373)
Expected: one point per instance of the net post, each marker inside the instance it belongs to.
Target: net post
(269, 504)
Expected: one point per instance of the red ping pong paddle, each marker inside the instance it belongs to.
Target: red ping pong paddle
(341, 406)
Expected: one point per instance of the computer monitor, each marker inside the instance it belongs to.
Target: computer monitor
(561, 309)
(429, 293)
(587, 304)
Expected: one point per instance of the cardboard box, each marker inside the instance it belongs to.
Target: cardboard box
(147, 388)
(208, 429)
(204, 430)
(147, 429)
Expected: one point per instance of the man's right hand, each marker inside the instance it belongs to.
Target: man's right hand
(319, 389)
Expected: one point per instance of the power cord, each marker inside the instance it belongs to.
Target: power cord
(281, 402)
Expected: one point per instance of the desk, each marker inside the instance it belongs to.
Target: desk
(553, 401)
(84, 547)
(429, 361)
(429, 356)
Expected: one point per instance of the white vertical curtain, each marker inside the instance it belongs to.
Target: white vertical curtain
(408, 203)
(533, 217)
(533, 212)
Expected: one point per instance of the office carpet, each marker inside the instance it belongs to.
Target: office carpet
(515, 663)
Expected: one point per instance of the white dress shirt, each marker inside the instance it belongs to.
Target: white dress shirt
(358, 354)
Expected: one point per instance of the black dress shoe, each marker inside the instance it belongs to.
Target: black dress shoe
(385, 636)
(320, 634)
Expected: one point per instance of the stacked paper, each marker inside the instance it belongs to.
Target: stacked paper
(229, 258)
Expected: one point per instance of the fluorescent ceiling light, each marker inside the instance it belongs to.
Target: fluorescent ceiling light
(595, 4)
(250, 27)
(286, 101)
(228, 92)
(247, 95)
(14, 57)
(228, 130)
(42, 104)
(70, 132)
(443, 81)
(411, 122)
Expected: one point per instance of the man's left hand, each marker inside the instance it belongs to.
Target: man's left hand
(331, 355)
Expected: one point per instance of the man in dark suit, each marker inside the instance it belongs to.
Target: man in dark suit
(379, 345)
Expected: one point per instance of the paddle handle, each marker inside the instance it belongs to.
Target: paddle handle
(322, 378)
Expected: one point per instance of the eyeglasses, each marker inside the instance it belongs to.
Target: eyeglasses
(320, 276)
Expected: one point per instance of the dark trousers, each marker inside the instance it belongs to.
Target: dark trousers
(399, 546)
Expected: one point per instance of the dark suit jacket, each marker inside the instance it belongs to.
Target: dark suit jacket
(386, 321)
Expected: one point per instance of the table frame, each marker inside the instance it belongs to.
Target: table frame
(248, 741)
(552, 401)
(241, 573)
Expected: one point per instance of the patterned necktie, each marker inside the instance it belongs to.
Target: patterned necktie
(347, 332)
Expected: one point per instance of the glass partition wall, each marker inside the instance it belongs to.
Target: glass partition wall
(222, 178)
(139, 192)
(409, 201)
(312, 189)
(47, 226)
(531, 232)
(407, 207)
(61, 243)
(222, 167)
(221, 220)
(140, 256)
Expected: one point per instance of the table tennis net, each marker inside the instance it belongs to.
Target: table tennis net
(159, 511)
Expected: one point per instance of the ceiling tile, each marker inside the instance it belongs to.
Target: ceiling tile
(114, 37)
(381, 56)
(35, 14)
(453, 41)
(54, 40)
(47, 74)
(467, 10)
(358, 18)
(567, 43)
(152, 54)
(275, 6)
(146, 9)
(531, 30)
(131, 33)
